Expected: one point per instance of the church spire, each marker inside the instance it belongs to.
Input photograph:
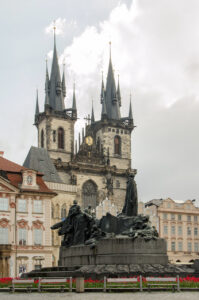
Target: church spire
(56, 98)
(37, 108)
(118, 91)
(92, 115)
(111, 100)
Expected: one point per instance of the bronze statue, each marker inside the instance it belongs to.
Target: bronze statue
(131, 200)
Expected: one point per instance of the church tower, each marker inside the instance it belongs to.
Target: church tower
(55, 124)
(112, 132)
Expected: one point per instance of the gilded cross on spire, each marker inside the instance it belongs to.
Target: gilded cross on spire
(110, 48)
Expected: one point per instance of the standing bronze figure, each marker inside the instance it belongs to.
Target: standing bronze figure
(131, 200)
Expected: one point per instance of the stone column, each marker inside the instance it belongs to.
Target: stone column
(80, 284)
(4, 266)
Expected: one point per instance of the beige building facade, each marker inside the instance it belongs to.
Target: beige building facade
(178, 223)
(25, 219)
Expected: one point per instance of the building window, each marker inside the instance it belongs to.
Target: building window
(3, 235)
(117, 144)
(113, 130)
(38, 236)
(196, 248)
(165, 229)
(173, 230)
(169, 205)
(179, 217)
(180, 230)
(109, 129)
(57, 215)
(60, 138)
(189, 246)
(189, 218)
(165, 216)
(63, 211)
(37, 206)
(4, 204)
(52, 211)
(173, 246)
(42, 139)
(54, 136)
(172, 217)
(195, 218)
(22, 236)
(180, 246)
(195, 231)
(22, 205)
(188, 230)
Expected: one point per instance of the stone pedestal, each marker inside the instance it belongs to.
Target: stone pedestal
(116, 251)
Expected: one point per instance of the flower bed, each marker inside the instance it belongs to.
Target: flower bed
(185, 282)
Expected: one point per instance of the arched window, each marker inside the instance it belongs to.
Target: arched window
(117, 145)
(63, 211)
(60, 138)
(42, 139)
(89, 194)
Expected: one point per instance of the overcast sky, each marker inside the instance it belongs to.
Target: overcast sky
(155, 50)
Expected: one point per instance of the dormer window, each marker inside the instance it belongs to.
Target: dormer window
(29, 180)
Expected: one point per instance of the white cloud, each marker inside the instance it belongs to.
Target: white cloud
(155, 48)
(61, 25)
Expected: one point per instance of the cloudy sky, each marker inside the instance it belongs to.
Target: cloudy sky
(155, 50)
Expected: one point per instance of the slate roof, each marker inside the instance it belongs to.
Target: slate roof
(39, 160)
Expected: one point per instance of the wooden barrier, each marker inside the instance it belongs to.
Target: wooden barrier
(156, 282)
(121, 283)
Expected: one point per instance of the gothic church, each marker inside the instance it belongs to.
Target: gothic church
(97, 166)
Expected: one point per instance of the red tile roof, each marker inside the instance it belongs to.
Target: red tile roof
(14, 175)
(7, 165)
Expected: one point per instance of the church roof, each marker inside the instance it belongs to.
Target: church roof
(39, 160)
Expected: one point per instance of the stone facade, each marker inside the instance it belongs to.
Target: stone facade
(178, 223)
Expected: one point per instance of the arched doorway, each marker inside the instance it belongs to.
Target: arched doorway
(89, 194)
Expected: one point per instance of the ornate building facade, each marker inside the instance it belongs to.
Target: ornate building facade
(178, 223)
(99, 164)
(25, 218)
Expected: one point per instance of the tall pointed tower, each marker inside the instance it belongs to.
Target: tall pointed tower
(56, 123)
(113, 132)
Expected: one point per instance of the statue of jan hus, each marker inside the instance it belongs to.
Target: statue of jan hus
(131, 199)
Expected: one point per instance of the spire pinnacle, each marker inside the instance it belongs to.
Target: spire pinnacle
(102, 95)
(54, 32)
(74, 108)
(92, 114)
(37, 107)
(63, 80)
(110, 49)
(130, 112)
(118, 91)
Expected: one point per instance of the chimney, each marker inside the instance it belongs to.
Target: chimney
(1, 153)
